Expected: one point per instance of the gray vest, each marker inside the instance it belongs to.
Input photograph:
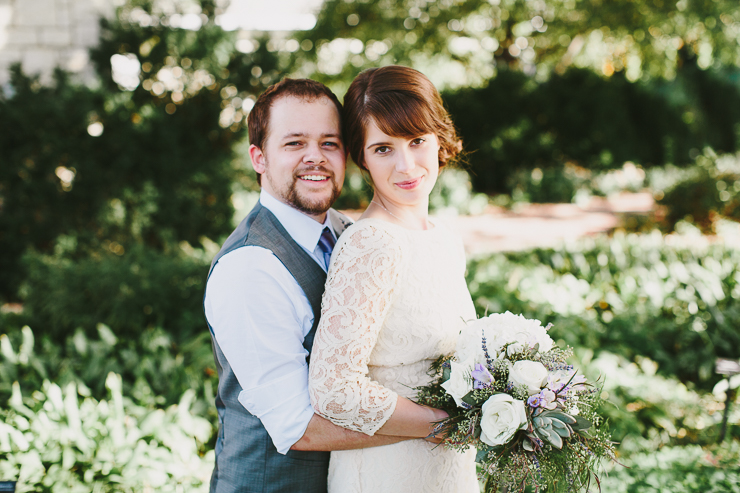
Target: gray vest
(246, 458)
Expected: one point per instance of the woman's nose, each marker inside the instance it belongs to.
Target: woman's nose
(405, 162)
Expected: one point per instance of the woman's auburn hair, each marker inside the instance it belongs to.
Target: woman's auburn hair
(403, 103)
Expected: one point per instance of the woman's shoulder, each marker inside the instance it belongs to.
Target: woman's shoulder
(373, 235)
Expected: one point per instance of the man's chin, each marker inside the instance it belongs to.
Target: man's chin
(313, 205)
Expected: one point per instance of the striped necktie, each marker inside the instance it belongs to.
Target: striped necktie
(326, 244)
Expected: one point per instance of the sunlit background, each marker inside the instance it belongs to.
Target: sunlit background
(600, 192)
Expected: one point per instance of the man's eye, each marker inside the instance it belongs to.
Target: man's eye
(294, 143)
(331, 144)
(418, 141)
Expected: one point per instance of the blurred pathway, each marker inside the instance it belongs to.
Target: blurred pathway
(545, 225)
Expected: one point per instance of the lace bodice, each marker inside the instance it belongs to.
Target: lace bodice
(395, 300)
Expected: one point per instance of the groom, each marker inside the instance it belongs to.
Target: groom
(263, 300)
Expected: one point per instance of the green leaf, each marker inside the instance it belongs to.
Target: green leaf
(482, 453)
(472, 400)
(581, 423)
(554, 439)
(565, 418)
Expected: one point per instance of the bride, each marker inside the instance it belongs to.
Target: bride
(395, 296)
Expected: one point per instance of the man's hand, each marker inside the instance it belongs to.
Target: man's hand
(323, 435)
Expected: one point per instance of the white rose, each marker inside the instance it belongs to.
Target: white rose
(529, 373)
(501, 417)
(460, 382)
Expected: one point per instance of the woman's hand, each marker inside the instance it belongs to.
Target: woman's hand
(410, 419)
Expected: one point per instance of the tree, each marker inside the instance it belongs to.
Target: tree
(468, 39)
(146, 158)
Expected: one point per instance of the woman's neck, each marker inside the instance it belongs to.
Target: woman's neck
(414, 216)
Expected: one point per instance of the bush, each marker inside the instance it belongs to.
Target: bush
(126, 289)
(703, 193)
(58, 439)
(675, 300)
(648, 411)
(155, 370)
(678, 470)
(151, 163)
(514, 124)
(549, 185)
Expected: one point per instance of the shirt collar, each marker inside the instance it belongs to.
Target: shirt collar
(304, 230)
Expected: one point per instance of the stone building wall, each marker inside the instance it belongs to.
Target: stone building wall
(43, 34)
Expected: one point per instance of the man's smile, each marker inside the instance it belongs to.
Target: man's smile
(314, 178)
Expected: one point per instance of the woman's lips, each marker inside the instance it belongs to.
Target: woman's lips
(409, 184)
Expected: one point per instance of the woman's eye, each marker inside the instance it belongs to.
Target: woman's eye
(382, 149)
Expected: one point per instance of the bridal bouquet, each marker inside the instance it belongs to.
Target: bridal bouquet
(510, 393)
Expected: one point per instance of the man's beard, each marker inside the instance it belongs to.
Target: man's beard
(304, 204)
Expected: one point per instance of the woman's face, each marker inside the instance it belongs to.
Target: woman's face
(404, 170)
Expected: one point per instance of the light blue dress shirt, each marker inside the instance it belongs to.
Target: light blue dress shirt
(260, 317)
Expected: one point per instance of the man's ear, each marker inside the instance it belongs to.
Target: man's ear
(258, 159)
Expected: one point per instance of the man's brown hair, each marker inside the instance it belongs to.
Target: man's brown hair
(258, 120)
(403, 103)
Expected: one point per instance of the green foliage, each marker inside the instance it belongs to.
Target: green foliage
(549, 185)
(58, 439)
(674, 301)
(129, 290)
(162, 170)
(156, 369)
(514, 125)
(464, 41)
(702, 193)
(679, 470)
(648, 411)
(454, 193)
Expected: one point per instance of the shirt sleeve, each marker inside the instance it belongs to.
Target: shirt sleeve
(365, 267)
(259, 316)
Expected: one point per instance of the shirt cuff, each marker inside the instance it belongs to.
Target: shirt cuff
(283, 406)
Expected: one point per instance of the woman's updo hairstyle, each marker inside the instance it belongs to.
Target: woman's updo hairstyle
(403, 103)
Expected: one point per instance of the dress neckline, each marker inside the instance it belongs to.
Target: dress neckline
(433, 223)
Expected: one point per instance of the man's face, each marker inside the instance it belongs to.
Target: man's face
(303, 159)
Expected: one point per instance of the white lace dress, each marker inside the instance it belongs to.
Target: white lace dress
(395, 300)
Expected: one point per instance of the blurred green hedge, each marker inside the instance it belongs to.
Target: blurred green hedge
(130, 292)
(514, 124)
(703, 193)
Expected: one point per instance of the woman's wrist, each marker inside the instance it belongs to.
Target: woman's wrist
(437, 415)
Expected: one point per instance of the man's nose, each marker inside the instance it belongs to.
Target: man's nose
(314, 154)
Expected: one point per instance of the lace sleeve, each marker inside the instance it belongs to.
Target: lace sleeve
(366, 266)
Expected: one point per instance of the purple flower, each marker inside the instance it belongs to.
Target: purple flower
(534, 401)
(481, 376)
(546, 398)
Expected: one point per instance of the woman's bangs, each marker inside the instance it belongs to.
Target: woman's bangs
(398, 115)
